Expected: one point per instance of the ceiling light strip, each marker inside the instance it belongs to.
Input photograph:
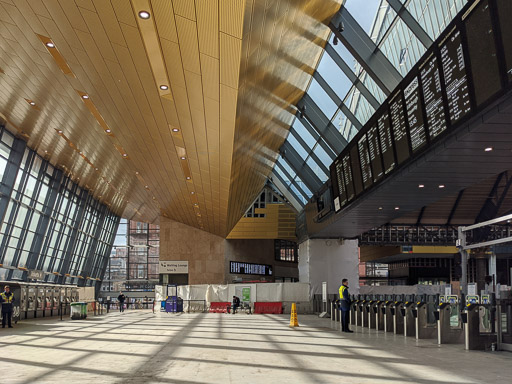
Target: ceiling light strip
(59, 59)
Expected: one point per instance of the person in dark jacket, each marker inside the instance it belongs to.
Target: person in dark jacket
(236, 303)
(121, 298)
(7, 299)
(345, 305)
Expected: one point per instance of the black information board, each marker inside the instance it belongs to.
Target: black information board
(415, 114)
(374, 152)
(396, 109)
(364, 155)
(482, 52)
(342, 191)
(455, 79)
(386, 144)
(250, 268)
(433, 97)
(504, 12)
(347, 177)
(356, 170)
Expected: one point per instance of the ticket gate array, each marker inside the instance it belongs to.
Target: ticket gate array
(471, 323)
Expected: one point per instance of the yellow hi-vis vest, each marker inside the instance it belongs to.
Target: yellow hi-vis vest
(342, 289)
(7, 299)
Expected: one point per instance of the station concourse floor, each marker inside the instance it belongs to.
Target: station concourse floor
(141, 347)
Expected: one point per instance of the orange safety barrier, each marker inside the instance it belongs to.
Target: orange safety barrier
(219, 307)
(273, 307)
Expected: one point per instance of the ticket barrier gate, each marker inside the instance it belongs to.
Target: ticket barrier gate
(363, 320)
(398, 318)
(426, 325)
(449, 322)
(354, 313)
(377, 313)
(387, 314)
(409, 322)
(478, 317)
(370, 323)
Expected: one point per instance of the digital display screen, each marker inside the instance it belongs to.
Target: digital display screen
(396, 109)
(386, 143)
(374, 151)
(250, 269)
(342, 192)
(455, 79)
(356, 170)
(364, 155)
(505, 8)
(347, 177)
(433, 97)
(482, 52)
(415, 115)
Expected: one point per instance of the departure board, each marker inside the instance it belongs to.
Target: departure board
(341, 183)
(482, 52)
(505, 8)
(356, 170)
(433, 97)
(396, 108)
(414, 111)
(347, 177)
(455, 78)
(386, 143)
(364, 155)
(374, 152)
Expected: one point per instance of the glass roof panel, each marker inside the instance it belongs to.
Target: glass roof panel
(303, 133)
(297, 146)
(322, 99)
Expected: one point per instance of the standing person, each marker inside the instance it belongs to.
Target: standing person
(345, 306)
(121, 298)
(7, 300)
(236, 303)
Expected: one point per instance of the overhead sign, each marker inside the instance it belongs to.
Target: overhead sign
(173, 267)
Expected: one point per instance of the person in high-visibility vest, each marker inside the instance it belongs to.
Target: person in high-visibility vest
(345, 306)
(7, 301)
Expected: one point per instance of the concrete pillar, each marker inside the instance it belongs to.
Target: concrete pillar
(329, 260)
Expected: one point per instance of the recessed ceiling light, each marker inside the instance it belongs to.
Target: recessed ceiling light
(146, 186)
(196, 205)
(125, 155)
(97, 169)
(397, 208)
(45, 151)
(144, 15)
(59, 131)
(441, 185)
(188, 177)
(32, 103)
(108, 130)
(182, 157)
(421, 186)
(164, 87)
(488, 149)
(192, 192)
(380, 208)
(85, 96)
(80, 152)
(50, 44)
(136, 173)
(175, 130)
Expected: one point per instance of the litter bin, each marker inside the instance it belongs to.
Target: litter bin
(78, 311)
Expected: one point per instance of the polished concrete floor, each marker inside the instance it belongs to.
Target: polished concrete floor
(142, 347)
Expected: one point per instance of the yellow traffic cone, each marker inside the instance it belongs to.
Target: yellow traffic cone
(293, 317)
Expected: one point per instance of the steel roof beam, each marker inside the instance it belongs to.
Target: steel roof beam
(411, 22)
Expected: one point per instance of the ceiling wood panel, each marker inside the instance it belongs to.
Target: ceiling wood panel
(234, 69)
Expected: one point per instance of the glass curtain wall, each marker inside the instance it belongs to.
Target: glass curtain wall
(133, 262)
(49, 223)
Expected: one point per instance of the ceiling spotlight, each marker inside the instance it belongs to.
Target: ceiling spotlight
(380, 208)
(488, 149)
(146, 186)
(85, 96)
(144, 15)
(50, 44)
(59, 131)
(441, 185)
(302, 111)
(196, 205)
(188, 177)
(108, 130)
(125, 155)
(32, 103)
(97, 169)
(341, 27)
(182, 157)
(192, 192)
(175, 130)
(45, 151)
(421, 186)
(335, 40)
(136, 173)
(397, 208)
(164, 87)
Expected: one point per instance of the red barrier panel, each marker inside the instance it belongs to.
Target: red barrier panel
(276, 307)
(219, 307)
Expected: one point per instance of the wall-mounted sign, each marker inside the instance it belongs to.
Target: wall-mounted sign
(36, 275)
(173, 267)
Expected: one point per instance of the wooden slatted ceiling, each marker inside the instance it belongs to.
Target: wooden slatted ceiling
(234, 70)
